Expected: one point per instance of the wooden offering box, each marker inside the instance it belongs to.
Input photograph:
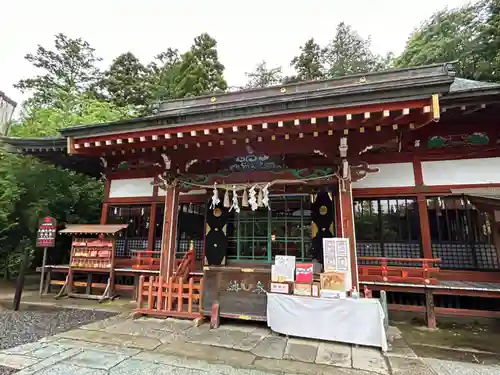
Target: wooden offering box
(240, 292)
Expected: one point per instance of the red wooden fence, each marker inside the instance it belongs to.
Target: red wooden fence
(383, 272)
(172, 298)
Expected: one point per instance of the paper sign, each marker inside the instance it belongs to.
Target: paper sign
(337, 259)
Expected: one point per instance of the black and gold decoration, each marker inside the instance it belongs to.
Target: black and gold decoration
(216, 235)
(323, 217)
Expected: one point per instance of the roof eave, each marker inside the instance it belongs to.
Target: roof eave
(386, 93)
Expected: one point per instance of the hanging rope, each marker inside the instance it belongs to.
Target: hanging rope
(262, 185)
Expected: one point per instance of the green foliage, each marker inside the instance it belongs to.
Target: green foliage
(70, 68)
(309, 64)
(32, 190)
(469, 35)
(75, 110)
(163, 71)
(126, 82)
(348, 53)
(263, 76)
(199, 71)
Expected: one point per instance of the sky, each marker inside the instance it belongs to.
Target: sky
(247, 32)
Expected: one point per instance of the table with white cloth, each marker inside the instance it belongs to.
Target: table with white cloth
(350, 320)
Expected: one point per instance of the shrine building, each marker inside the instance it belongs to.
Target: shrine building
(404, 163)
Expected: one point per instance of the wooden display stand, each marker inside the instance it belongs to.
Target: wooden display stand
(91, 255)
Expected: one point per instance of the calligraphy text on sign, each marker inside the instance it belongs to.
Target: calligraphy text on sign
(46, 235)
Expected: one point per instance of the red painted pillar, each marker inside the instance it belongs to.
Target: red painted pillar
(347, 223)
(167, 260)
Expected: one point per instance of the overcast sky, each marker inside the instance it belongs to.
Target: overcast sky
(247, 31)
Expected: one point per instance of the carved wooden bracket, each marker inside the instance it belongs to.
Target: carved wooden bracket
(360, 171)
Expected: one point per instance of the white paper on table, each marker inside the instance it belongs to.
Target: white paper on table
(286, 266)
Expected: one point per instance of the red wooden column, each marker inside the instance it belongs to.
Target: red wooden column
(347, 226)
(167, 259)
(105, 206)
(422, 210)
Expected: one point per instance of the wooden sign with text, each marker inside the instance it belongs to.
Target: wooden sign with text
(46, 235)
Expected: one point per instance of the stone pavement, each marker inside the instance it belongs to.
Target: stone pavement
(121, 345)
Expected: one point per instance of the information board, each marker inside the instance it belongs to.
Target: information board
(46, 235)
(337, 258)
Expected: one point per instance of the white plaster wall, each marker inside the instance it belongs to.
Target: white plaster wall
(161, 192)
(389, 175)
(131, 187)
(461, 172)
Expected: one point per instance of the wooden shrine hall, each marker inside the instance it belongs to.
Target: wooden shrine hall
(404, 163)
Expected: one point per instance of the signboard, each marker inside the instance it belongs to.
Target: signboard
(337, 258)
(46, 235)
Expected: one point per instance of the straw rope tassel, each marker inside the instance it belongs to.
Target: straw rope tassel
(244, 200)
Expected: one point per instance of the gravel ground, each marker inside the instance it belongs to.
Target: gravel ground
(33, 323)
(7, 370)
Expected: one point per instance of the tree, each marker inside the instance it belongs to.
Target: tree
(263, 76)
(200, 71)
(384, 62)
(348, 53)
(72, 110)
(309, 63)
(70, 68)
(489, 41)
(32, 189)
(450, 35)
(163, 71)
(126, 82)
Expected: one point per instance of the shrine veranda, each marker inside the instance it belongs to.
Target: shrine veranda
(405, 164)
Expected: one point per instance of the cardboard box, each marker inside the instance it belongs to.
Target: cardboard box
(281, 288)
(304, 273)
(302, 289)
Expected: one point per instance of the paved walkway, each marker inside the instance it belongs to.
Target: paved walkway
(123, 346)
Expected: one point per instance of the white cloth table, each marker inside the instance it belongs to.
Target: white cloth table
(354, 321)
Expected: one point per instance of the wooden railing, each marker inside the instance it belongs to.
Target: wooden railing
(146, 260)
(172, 298)
(385, 271)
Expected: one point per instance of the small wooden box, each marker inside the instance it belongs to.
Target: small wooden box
(280, 288)
(302, 289)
